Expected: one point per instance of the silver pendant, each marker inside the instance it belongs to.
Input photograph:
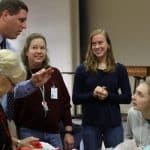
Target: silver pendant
(45, 106)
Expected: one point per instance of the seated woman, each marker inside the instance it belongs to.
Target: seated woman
(138, 120)
(11, 72)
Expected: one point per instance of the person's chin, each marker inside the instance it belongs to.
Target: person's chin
(13, 37)
(136, 107)
(16, 35)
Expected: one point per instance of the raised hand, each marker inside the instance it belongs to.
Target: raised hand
(41, 77)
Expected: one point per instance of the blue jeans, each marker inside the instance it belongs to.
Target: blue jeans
(51, 138)
(93, 137)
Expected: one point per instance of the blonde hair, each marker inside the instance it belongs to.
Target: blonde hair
(148, 85)
(11, 66)
(91, 62)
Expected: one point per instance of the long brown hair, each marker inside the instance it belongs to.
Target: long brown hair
(91, 62)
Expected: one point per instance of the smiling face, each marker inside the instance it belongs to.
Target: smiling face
(141, 98)
(36, 53)
(99, 45)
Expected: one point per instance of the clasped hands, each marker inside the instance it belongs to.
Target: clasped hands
(100, 92)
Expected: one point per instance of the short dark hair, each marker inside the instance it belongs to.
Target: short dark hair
(13, 6)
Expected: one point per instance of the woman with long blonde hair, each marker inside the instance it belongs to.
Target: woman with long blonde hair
(100, 85)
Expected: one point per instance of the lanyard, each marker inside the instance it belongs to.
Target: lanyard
(44, 103)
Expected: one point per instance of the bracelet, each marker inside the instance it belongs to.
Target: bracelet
(68, 132)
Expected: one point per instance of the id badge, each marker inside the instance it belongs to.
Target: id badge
(54, 93)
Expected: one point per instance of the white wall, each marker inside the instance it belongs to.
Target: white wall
(128, 24)
(53, 19)
(58, 21)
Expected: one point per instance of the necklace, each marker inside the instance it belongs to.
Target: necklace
(44, 103)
